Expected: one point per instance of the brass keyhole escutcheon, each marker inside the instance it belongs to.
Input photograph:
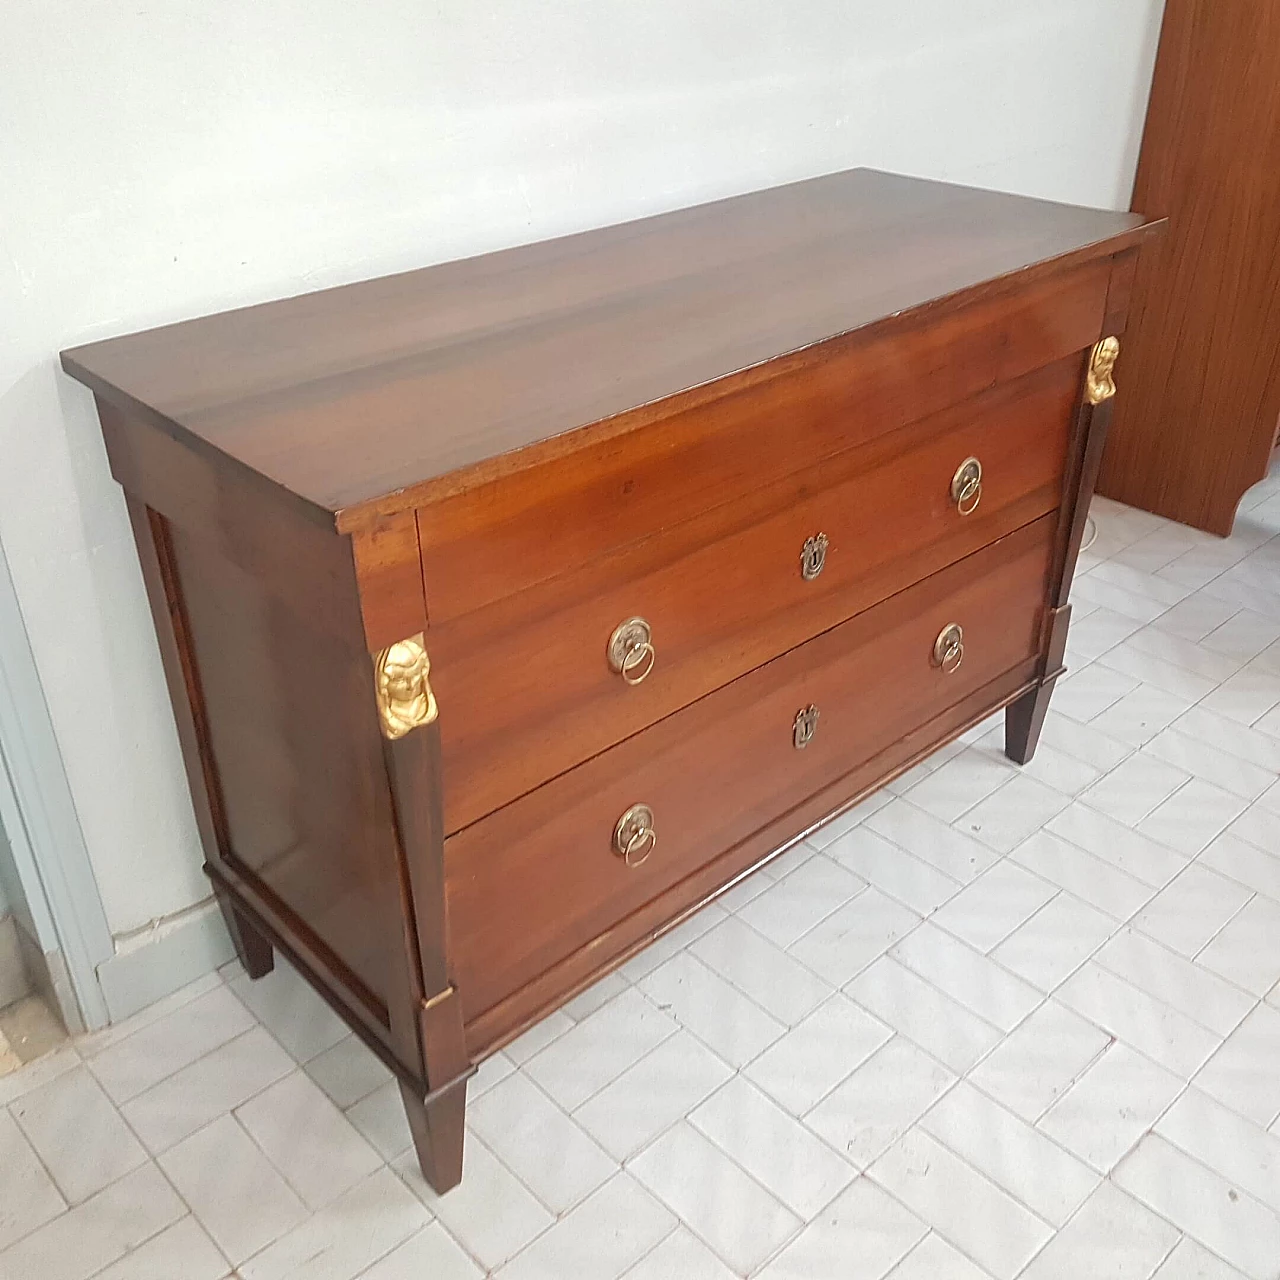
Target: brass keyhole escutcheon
(966, 486)
(948, 648)
(631, 652)
(813, 556)
(634, 836)
(805, 726)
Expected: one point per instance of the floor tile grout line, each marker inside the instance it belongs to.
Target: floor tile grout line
(1186, 861)
(1243, 884)
(1193, 1082)
(777, 883)
(1253, 894)
(128, 1253)
(978, 1173)
(1164, 1004)
(654, 1249)
(231, 1268)
(964, 1253)
(1182, 1235)
(927, 981)
(155, 1021)
(382, 1084)
(18, 1240)
(1080, 1209)
(791, 1115)
(786, 1244)
(119, 1115)
(685, 1115)
(881, 889)
(67, 1206)
(90, 1061)
(623, 1165)
(1074, 1080)
(471, 1137)
(364, 1272)
(572, 1112)
(164, 1173)
(802, 1223)
(1203, 1163)
(234, 1114)
(989, 956)
(1245, 839)
(981, 1173)
(1150, 1131)
(1177, 956)
(786, 951)
(1247, 800)
(258, 1026)
(312, 1214)
(821, 853)
(556, 1215)
(1113, 1038)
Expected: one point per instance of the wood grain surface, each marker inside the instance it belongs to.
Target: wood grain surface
(1196, 419)
(538, 878)
(724, 593)
(383, 389)
(547, 519)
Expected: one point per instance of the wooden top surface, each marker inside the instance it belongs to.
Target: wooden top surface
(354, 394)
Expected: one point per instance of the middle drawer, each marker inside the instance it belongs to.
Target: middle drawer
(528, 683)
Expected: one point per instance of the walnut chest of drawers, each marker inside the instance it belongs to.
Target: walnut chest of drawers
(513, 608)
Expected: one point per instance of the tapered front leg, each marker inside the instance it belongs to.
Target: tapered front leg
(1023, 721)
(438, 1124)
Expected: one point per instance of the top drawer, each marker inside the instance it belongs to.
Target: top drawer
(783, 417)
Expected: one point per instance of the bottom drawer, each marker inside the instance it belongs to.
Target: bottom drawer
(544, 876)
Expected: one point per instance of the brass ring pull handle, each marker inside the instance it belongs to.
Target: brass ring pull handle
(948, 648)
(631, 651)
(634, 836)
(813, 556)
(966, 486)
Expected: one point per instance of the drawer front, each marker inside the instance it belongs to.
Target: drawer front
(725, 593)
(540, 878)
(672, 464)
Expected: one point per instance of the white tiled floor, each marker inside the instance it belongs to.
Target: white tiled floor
(992, 1024)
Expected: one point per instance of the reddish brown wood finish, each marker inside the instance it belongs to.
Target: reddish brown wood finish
(538, 878)
(888, 512)
(505, 1021)
(1201, 365)
(253, 949)
(512, 454)
(299, 760)
(382, 395)
(793, 416)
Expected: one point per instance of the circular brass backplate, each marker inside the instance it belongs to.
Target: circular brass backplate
(630, 642)
(948, 648)
(634, 836)
(966, 486)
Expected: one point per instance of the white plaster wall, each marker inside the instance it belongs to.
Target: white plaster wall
(162, 158)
